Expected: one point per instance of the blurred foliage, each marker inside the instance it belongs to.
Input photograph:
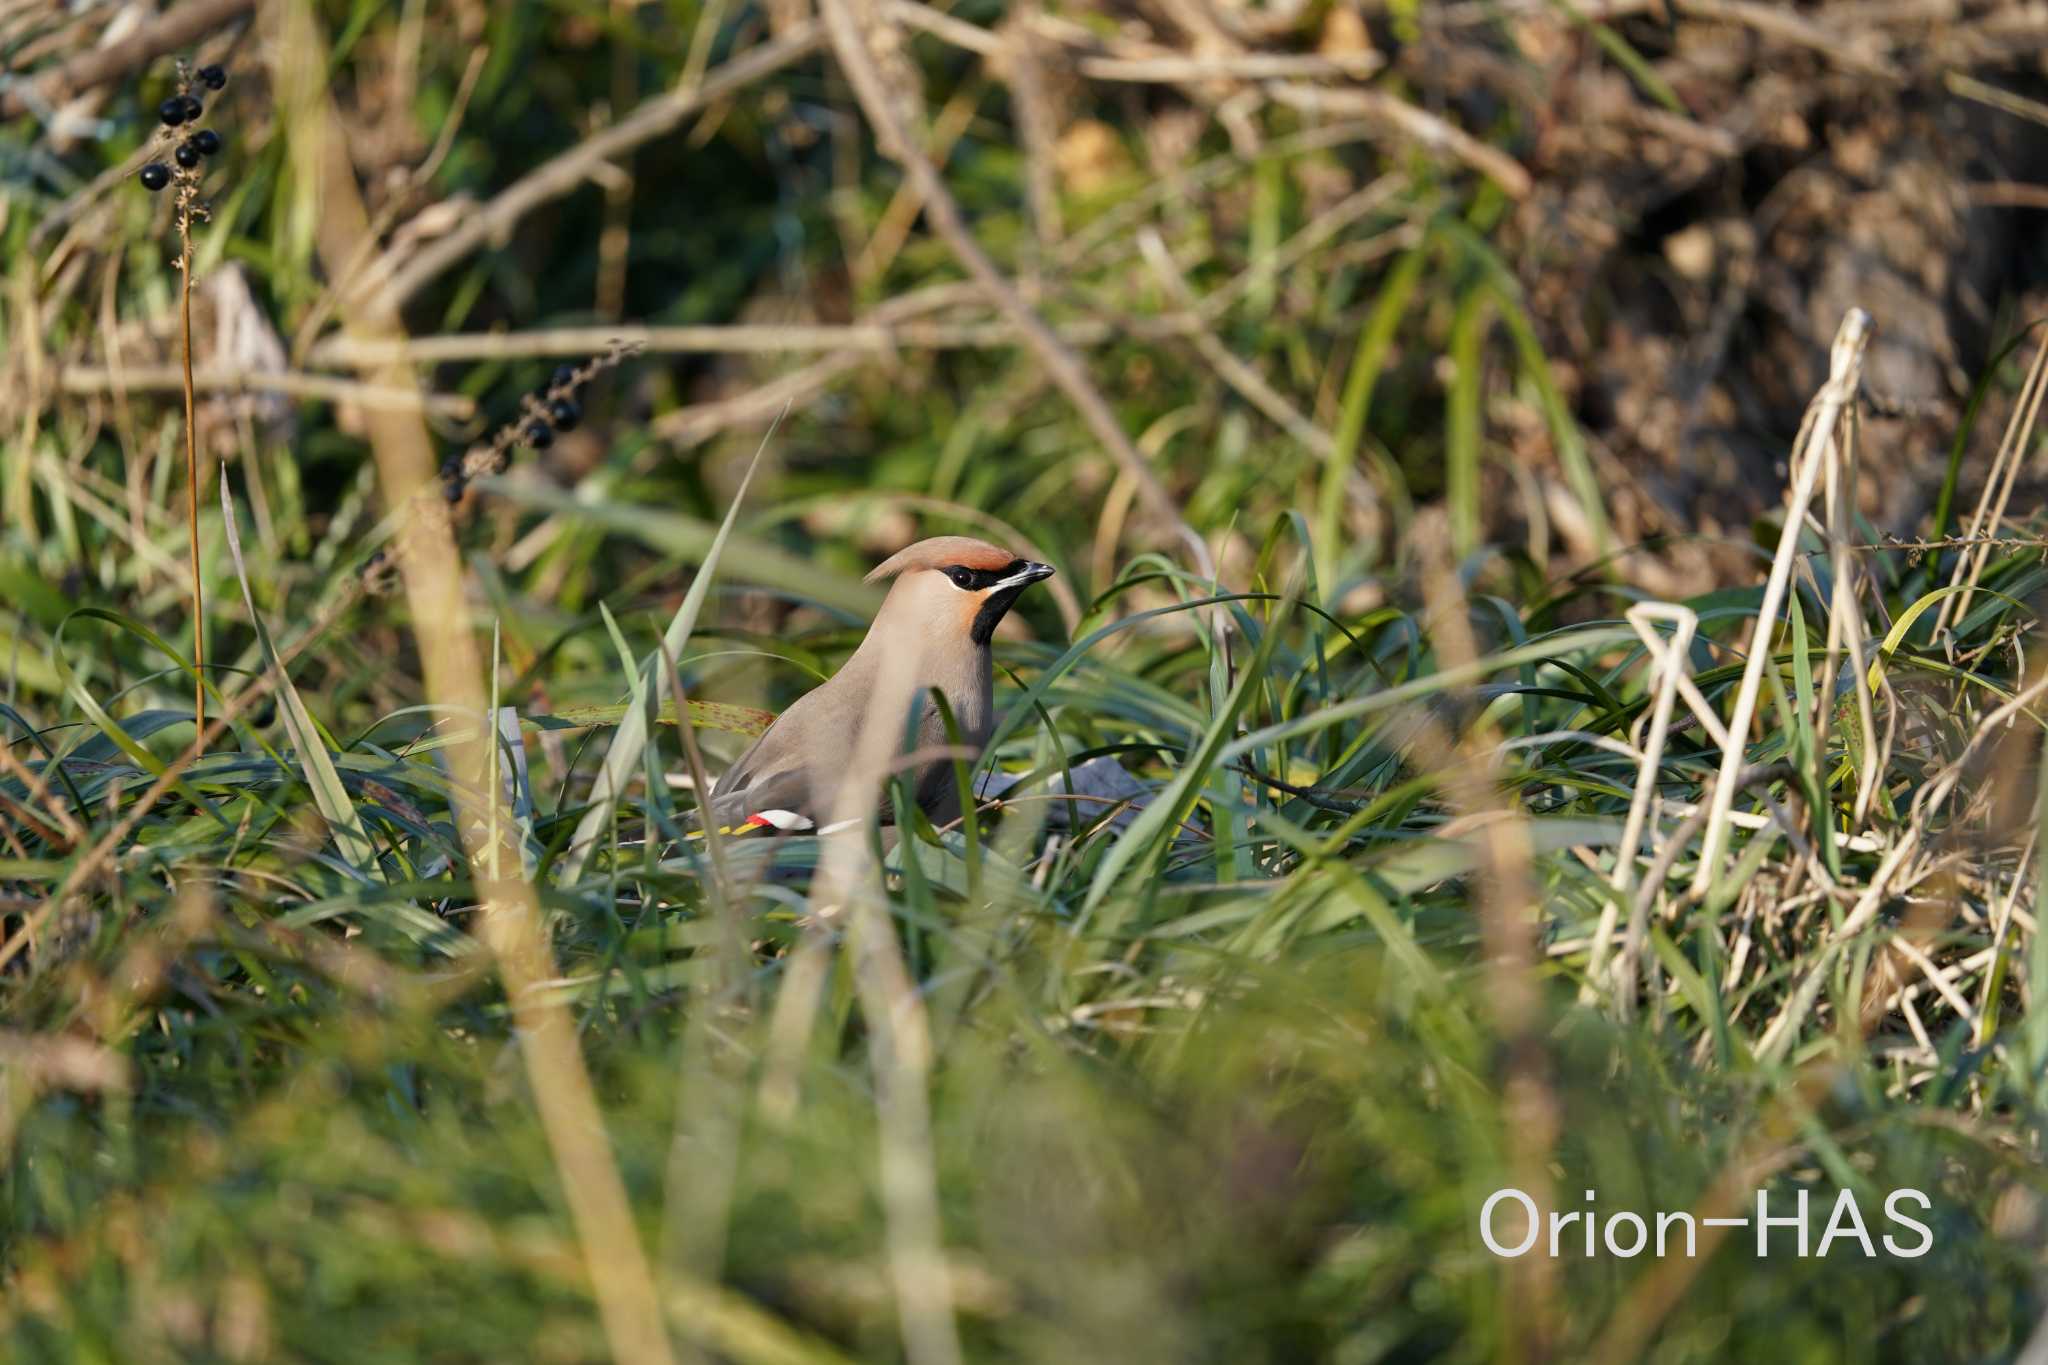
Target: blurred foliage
(1225, 1082)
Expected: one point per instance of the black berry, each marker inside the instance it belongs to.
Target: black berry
(187, 154)
(214, 77)
(193, 108)
(453, 490)
(564, 376)
(539, 435)
(172, 111)
(565, 414)
(207, 141)
(155, 176)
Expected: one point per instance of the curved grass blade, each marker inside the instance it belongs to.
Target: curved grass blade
(630, 742)
(114, 731)
(704, 715)
(329, 796)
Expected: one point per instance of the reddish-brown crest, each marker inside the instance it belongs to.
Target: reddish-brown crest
(942, 552)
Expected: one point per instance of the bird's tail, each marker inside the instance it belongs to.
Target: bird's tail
(732, 818)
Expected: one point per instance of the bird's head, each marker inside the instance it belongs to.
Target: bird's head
(958, 583)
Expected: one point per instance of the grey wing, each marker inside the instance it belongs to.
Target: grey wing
(780, 799)
(745, 790)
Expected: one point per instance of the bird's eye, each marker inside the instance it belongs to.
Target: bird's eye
(961, 578)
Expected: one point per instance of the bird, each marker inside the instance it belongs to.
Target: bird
(932, 635)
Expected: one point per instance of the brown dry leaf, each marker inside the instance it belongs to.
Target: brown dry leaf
(1344, 34)
(1691, 251)
(1540, 39)
(1089, 156)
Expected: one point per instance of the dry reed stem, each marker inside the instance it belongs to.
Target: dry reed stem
(2002, 919)
(878, 334)
(1660, 1289)
(1852, 52)
(848, 890)
(1851, 843)
(1038, 132)
(1467, 12)
(1667, 666)
(621, 1281)
(1233, 66)
(1777, 1038)
(711, 1091)
(1505, 905)
(185, 211)
(890, 327)
(1818, 445)
(695, 423)
(1845, 624)
(416, 178)
(1281, 77)
(88, 379)
(1982, 531)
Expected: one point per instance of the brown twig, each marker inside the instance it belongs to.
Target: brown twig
(1852, 52)
(2007, 194)
(189, 207)
(351, 279)
(192, 483)
(1240, 66)
(857, 60)
(1424, 127)
(1038, 131)
(177, 29)
(88, 379)
(698, 422)
(563, 173)
(897, 220)
(879, 334)
(1248, 382)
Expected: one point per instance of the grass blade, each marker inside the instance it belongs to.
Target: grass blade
(623, 757)
(329, 796)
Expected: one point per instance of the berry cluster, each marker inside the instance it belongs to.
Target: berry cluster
(563, 413)
(549, 409)
(178, 111)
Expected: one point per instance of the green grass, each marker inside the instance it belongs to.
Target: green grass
(1189, 1098)
(1227, 1081)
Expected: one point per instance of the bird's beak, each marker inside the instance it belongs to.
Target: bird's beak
(1023, 578)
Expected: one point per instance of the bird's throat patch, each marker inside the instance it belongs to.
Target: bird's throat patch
(996, 605)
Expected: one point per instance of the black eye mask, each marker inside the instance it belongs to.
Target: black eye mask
(974, 580)
(1007, 581)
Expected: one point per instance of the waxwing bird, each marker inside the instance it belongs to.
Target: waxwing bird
(932, 635)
